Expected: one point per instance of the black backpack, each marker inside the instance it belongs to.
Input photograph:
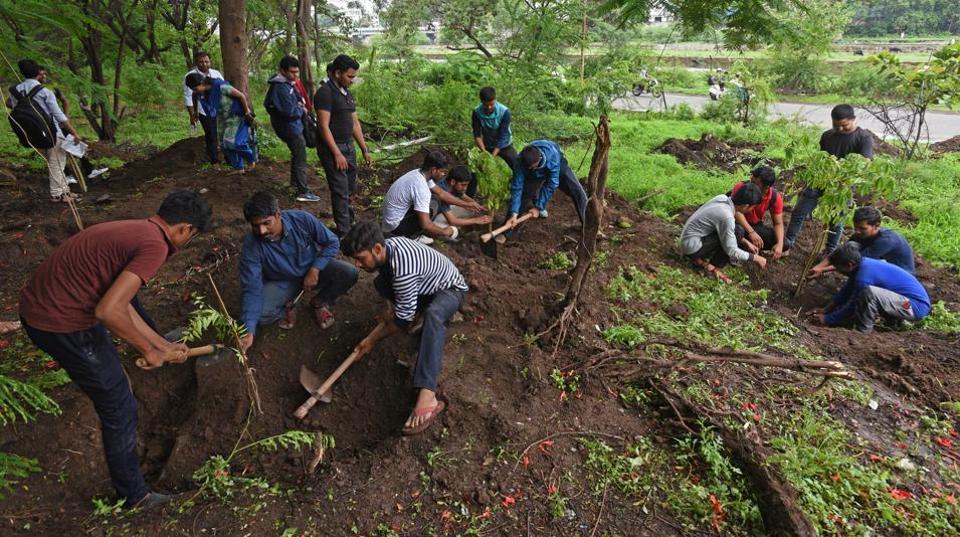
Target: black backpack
(31, 123)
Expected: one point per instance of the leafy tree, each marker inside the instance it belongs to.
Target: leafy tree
(798, 56)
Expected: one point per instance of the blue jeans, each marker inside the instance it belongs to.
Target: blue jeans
(806, 203)
(336, 279)
(91, 360)
(439, 308)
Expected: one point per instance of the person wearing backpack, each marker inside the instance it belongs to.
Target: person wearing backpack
(286, 110)
(40, 125)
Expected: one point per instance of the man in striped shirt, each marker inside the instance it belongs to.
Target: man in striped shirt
(414, 278)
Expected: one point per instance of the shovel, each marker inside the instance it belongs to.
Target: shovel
(488, 246)
(196, 351)
(318, 391)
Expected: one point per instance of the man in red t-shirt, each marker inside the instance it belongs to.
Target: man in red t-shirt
(89, 285)
(750, 230)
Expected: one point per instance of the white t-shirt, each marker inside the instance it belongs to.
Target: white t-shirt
(188, 93)
(411, 190)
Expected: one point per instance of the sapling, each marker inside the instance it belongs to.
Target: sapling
(839, 180)
(493, 178)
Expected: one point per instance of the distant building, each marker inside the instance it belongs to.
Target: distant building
(660, 15)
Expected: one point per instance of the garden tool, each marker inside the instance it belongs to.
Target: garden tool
(321, 391)
(196, 351)
(488, 246)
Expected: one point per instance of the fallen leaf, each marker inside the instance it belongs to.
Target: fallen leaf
(898, 494)
(551, 489)
(508, 502)
(945, 442)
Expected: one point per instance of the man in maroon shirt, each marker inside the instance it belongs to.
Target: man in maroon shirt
(89, 285)
(751, 232)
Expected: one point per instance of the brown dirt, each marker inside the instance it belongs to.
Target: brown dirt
(710, 152)
(499, 389)
(883, 147)
(950, 145)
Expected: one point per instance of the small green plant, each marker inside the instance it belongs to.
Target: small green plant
(216, 479)
(13, 467)
(634, 396)
(625, 335)
(567, 382)
(558, 261)
(942, 319)
(205, 318)
(104, 508)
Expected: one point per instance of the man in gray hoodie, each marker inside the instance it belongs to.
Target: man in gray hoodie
(708, 237)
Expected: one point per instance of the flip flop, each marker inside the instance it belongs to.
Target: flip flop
(433, 411)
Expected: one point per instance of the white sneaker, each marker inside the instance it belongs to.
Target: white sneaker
(423, 239)
(71, 180)
(98, 172)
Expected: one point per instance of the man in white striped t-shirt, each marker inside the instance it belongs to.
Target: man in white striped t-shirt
(414, 278)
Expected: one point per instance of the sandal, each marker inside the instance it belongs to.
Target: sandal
(432, 412)
(289, 318)
(64, 198)
(718, 274)
(324, 317)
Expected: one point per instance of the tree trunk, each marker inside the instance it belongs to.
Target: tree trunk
(233, 42)
(303, 44)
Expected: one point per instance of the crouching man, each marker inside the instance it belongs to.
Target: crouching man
(89, 285)
(413, 278)
(286, 253)
(875, 289)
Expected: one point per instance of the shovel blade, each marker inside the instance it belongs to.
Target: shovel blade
(312, 382)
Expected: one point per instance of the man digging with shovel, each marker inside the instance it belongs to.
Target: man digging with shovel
(89, 285)
(286, 254)
(414, 278)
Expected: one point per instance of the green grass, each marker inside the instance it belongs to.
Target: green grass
(930, 189)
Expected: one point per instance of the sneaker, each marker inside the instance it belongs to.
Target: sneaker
(71, 180)
(423, 239)
(307, 196)
(98, 172)
(544, 214)
(151, 501)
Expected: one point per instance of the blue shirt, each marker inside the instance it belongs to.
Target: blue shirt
(493, 127)
(885, 276)
(306, 243)
(45, 98)
(888, 245)
(548, 171)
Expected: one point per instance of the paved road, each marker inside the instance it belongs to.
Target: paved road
(942, 125)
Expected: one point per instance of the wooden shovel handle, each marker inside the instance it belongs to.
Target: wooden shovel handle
(304, 409)
(196, 351)
(506, 227)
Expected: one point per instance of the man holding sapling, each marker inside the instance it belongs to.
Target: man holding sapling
(89, 285)
(709, 239)
(491, 129)
(406, 207)
(874, 290)
(457, 183)
(843, 139)
(543, 169)
(875, 242)
(415, 280)
(751, 232)
(286, 253)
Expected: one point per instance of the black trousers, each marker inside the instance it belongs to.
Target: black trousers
(409, 226)
(766, 233)
(210, 139)
(711, 250)
(93, 364)
(569, 185)
(342, 183)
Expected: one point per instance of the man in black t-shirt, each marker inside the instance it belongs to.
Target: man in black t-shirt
(843, 139)
(339, 127)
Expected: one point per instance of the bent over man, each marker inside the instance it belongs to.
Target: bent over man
(88, 286)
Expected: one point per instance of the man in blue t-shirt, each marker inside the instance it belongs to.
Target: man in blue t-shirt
(874, 289)
(875, 242)
(491, 130)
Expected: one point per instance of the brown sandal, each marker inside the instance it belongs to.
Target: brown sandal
(433, 412)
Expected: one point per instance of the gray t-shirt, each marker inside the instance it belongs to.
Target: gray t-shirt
(410, 191)
(714, 216)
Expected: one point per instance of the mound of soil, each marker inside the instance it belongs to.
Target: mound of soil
(949, 145)
(711, 153)
(883, 147)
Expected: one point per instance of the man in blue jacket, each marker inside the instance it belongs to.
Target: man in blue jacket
(285, 253)
(541, 171)
(286, 109)
(491, 130)
(874, 289)
(875, 242)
